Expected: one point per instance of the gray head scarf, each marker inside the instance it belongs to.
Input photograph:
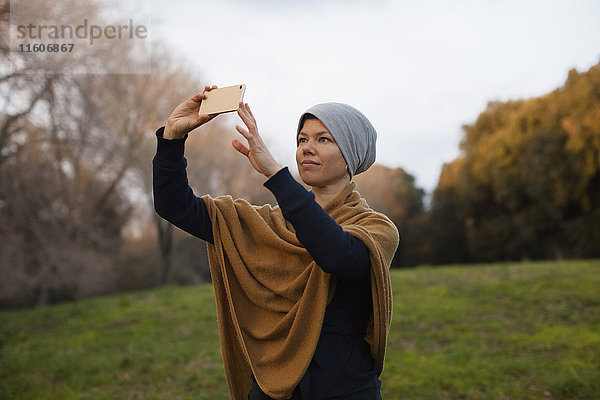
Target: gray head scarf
(352, 131)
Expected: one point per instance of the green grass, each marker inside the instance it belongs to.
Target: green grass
(500, 331)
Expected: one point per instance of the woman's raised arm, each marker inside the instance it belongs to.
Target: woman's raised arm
(174, 199)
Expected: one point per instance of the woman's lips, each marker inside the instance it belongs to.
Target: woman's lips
(309, 164)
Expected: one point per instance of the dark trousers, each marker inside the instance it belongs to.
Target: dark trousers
(372, 391)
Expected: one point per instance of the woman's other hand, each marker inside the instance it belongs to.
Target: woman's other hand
(257, 152)
(185, 118)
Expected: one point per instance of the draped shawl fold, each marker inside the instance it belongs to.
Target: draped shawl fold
(271, 295)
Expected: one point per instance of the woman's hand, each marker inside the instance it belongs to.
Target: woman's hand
(185, 117)
(257, 152)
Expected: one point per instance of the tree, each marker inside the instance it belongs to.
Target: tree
(74, 150)
(527, 184)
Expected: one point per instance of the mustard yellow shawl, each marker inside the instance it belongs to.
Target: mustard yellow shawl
(271, 295)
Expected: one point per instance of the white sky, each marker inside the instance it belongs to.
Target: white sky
(417, 69)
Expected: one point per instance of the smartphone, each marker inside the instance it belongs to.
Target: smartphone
(222, 100)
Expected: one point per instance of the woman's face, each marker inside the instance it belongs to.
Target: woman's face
(320, 161)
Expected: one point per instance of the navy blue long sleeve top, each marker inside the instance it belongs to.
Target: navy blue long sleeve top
(342, 362)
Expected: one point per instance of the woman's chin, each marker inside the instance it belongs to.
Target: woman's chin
(310, 178)
(309, 181)
(318, 180)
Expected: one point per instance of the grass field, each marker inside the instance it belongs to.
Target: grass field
(501, 331)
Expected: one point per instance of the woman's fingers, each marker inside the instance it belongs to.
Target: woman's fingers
(240, 147)
(247, 118)
(204, 118)
(244, 132)
(249, 110)
(245, 107)
(251, 126)
(198, 97)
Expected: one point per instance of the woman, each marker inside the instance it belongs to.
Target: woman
(302, 289)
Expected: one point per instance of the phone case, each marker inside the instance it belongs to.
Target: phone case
(222, 100)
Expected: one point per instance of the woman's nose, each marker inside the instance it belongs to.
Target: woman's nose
(308, 148)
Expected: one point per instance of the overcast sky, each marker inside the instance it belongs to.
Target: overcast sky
(417, 69)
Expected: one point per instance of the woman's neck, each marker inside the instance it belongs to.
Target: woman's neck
(324, 194)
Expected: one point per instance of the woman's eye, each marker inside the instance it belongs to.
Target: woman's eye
(301, 140)
(324, 139)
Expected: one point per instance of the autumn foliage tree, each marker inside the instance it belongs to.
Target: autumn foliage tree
(527, 185)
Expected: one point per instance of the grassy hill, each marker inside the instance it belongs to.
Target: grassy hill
(501, 331)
